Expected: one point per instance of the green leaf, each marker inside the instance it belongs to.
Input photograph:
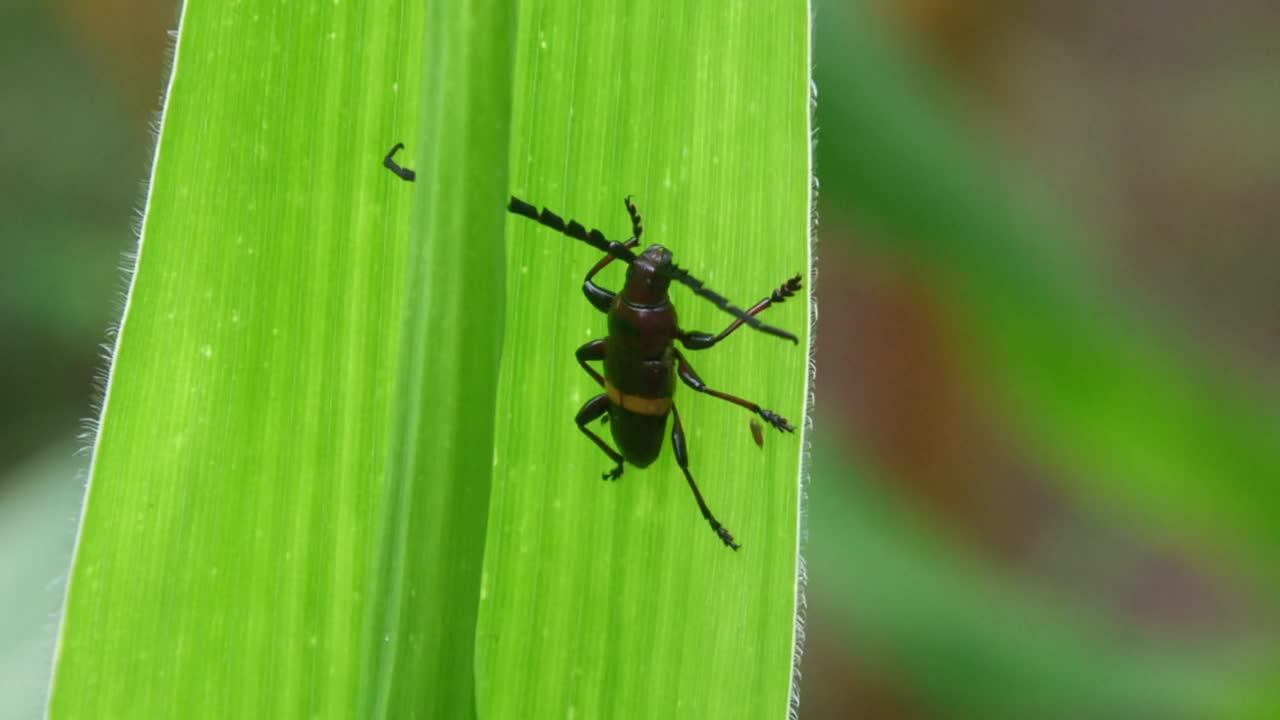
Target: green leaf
(434, 516)
(290, 487)
(423, 605)
(608, 599)
(275, 525)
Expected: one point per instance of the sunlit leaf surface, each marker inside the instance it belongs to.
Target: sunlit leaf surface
(620, 591)
(288, 431)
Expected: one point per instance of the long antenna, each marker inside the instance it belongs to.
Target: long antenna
(701, 290)
(597, 240)
(573, 229)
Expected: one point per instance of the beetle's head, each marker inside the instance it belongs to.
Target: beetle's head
(646, 282)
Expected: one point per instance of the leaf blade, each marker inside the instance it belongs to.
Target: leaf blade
(230, 552)
(622, 588)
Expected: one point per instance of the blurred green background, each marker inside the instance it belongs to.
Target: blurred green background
(1044, 480)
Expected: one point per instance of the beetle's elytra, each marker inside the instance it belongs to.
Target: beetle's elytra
(641, 360)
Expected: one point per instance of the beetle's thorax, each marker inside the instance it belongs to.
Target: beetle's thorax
(645, 331)
(646, 284)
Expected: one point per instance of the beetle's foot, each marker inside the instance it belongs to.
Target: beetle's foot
(604, 419)
(725, 537)
(776, 420)
(613, 474)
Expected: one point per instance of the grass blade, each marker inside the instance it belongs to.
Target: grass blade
(239, 541)
(620, 591)
(423, 606)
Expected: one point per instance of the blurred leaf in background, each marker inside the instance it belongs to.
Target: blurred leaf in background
(73, 155)
(1024, 402)
(1103, 394)
(72, 159)
(39, 503)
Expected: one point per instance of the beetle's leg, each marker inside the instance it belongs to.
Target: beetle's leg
(691, 379)
(595, 407)
(702, 341)
(682, 459)
(593, 350)
(599, 297)
(404, 173)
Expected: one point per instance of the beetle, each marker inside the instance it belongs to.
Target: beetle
(641, 360)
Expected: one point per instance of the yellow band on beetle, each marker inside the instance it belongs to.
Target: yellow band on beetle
(637, 404)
